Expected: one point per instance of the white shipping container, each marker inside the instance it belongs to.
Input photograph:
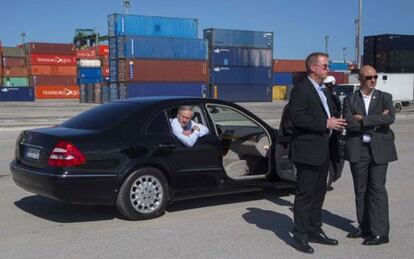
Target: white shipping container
(89, 63)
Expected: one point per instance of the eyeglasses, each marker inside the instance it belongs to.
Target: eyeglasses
(371, 77)
(323, 66)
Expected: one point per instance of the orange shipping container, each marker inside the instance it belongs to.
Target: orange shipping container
(46, 59)
(103, 50)
(15, 71)
(57, 92)
(165, 71)
(38, 70)
(288, 65)
(86, 54)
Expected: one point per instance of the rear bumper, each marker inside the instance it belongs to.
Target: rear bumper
(76, 189)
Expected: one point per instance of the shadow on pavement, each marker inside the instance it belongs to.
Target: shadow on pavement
(225, 199)
(63, 212)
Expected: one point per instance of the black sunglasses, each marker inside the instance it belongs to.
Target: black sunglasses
(371, 77)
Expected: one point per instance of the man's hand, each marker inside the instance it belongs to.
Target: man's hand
(357, 117)
(385, 112)
(186, 132)
(335, 123)
(195, 127)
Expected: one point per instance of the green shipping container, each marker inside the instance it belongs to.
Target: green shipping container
(15, 81)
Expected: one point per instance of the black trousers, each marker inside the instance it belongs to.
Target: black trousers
(310, 194)
(371, 196)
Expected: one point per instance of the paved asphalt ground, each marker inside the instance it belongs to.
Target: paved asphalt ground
(251, 225)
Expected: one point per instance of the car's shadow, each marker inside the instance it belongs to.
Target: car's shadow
(225, 199)
(63, 212)
(68, 213)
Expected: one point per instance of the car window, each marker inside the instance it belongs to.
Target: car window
(230, 121)
(102, 117)
(199, 116)
(158, 125)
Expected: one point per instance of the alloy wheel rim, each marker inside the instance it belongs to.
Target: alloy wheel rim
(146, 194)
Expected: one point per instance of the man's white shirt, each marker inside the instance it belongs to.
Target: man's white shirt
(190, 140)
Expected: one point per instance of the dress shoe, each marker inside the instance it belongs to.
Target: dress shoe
(376, 240)
(355, 234)
(322, 238)
(302, 245)
(329, 188)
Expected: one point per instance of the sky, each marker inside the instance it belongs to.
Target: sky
(299, 26)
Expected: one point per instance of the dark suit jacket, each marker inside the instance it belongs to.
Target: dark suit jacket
(375, 124)
(310, 140)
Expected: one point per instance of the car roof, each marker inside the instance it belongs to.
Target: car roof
(170, 99)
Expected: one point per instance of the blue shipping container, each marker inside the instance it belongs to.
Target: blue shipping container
(161, 48)
(282, 78)
(90, 80)
(89, 72)
(166, 89)
(241, 75)
(334, 66)
(244, 93)
(237, 38)
(139, 25)
(230, 56)
(113, 70)
(17, 94)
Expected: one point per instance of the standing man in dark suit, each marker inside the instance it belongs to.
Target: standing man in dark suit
(369, 148)
(311, 113)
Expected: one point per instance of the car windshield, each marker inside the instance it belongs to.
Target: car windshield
(103, 116)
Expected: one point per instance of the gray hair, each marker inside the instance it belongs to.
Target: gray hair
(313, 59)
(185, 108)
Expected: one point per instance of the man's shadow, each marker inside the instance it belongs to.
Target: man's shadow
(279, 224)
(282, 224)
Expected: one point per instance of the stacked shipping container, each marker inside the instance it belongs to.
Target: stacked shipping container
(240, 64)
(14, 83)
(287, 72)
(156, 56)
(390, 53)
(52, 70)
(93, 73)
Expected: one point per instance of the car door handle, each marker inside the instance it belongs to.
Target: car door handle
(166, 146)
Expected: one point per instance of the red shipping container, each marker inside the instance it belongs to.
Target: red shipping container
(105, 61)
(15, 71)
(47, 59)
(86, 54)
(52, 80)
(14, 62)
(50, 48)
(38, 70)
(103, 50)
(288, 65)
(57, 92)
(105, 71)
(340, 77)
(165, 70)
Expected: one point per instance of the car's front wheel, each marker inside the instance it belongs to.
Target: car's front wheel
(143, 195)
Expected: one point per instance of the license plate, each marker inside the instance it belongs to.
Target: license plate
(33, 153)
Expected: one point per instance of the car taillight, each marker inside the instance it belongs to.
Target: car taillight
(66, 154)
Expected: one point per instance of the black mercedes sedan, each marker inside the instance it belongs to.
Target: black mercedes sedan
(124, 153)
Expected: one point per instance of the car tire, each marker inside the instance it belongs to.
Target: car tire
(143, 195)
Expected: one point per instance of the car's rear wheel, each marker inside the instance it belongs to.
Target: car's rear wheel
(143, 195)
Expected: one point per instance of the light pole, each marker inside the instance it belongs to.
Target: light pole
(358, 38)
(326, 43)
(344, 53)
(23, 35)
(127, 4)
